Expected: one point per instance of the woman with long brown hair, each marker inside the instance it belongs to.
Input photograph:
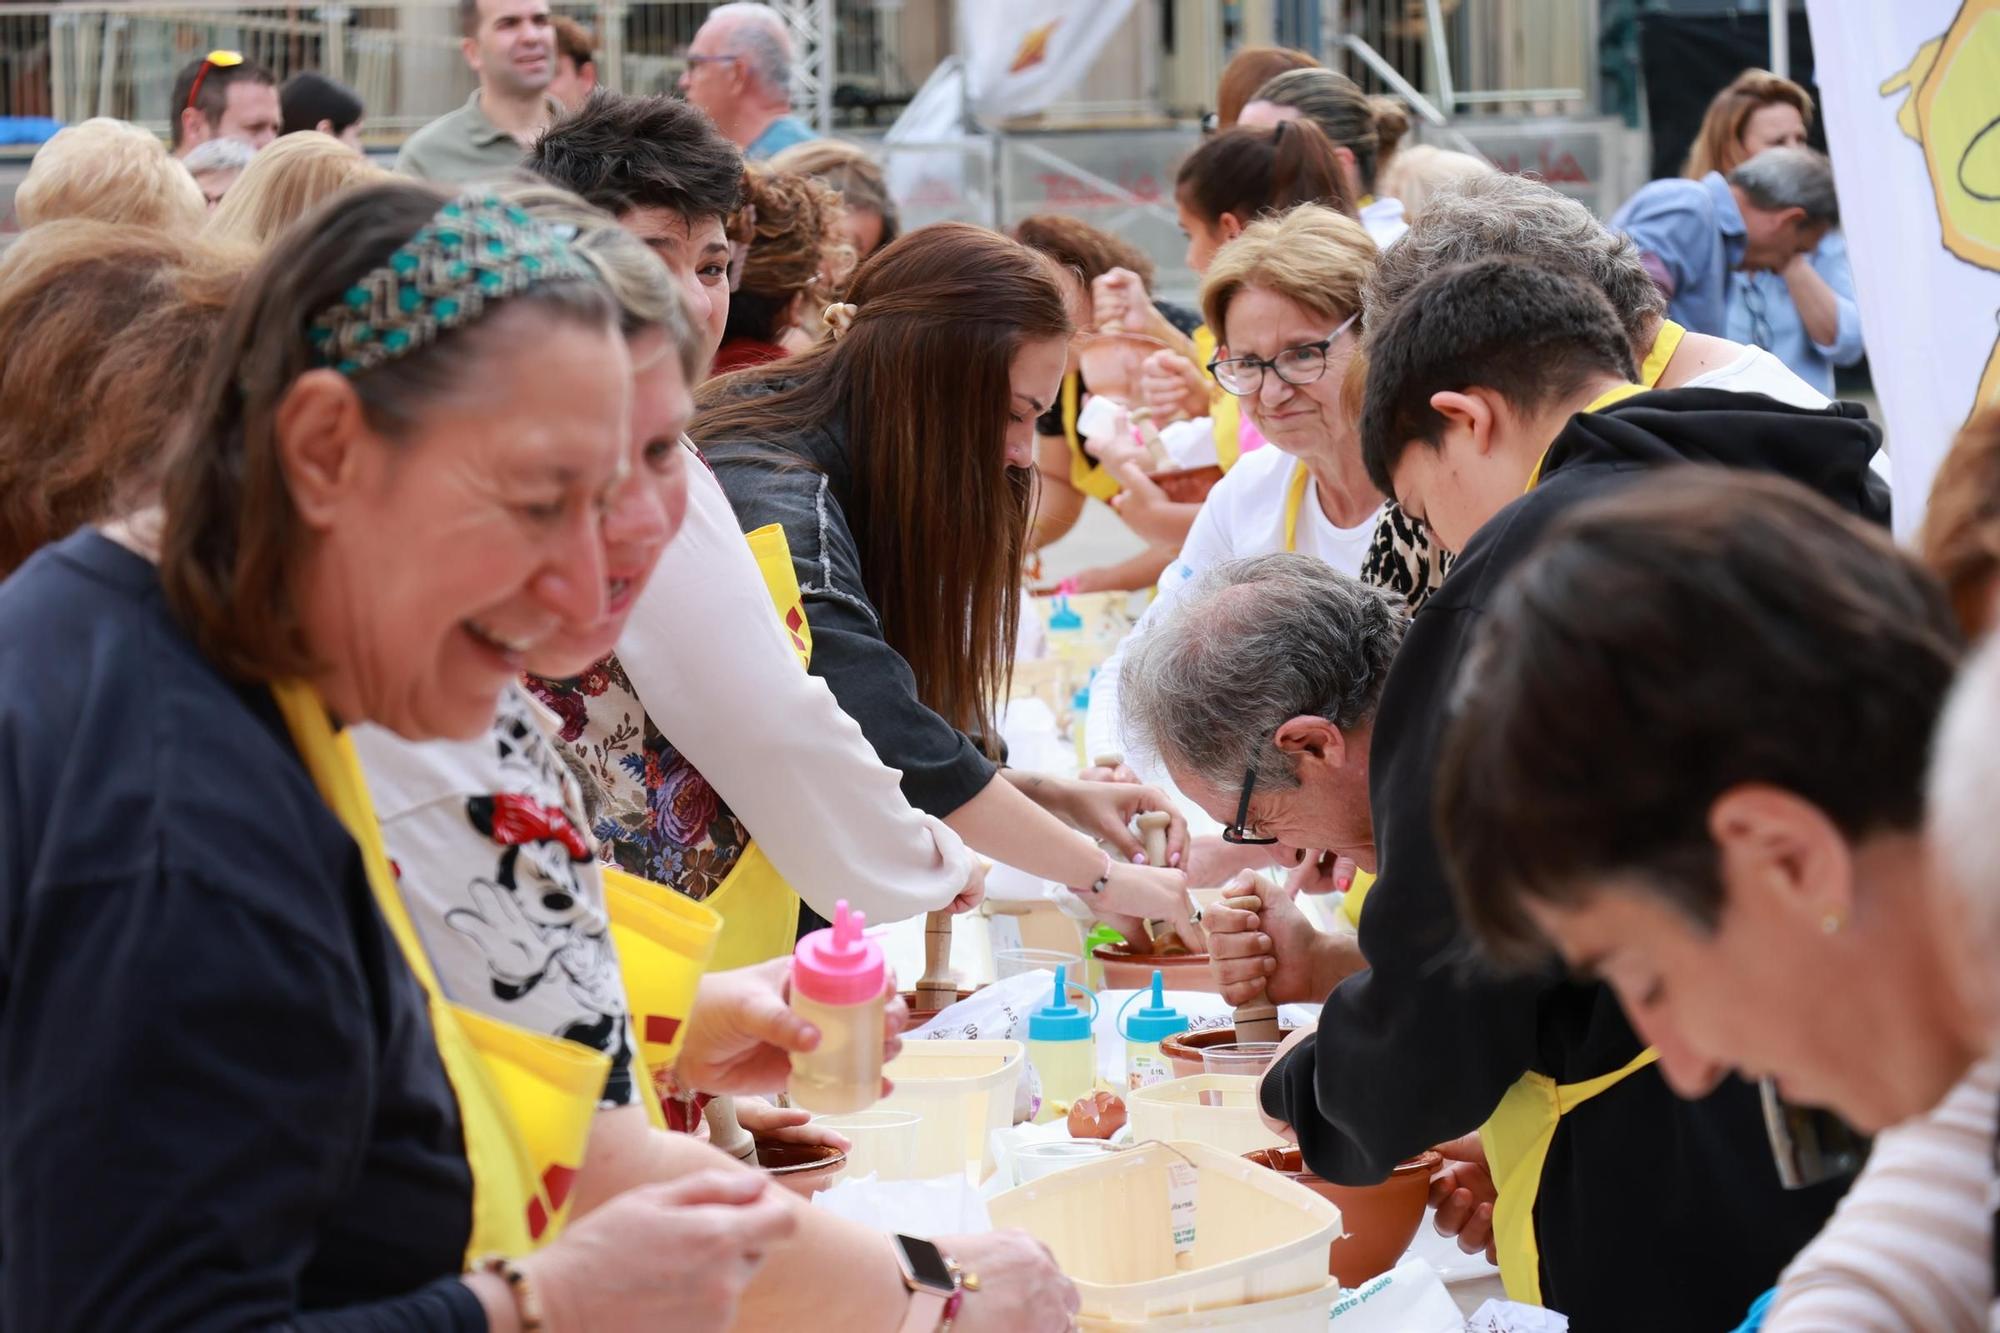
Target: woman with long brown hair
(896, 459)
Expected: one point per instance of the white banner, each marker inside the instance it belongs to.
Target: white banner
(1021, 55)
(1911, 96)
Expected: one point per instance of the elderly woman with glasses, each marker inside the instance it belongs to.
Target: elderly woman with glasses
(1284, 299)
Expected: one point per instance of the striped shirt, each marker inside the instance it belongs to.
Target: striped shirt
(1910, 1247)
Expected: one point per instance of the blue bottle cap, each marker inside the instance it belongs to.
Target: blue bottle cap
(1059, 1020)
(1158, 1020)
(1063, 617)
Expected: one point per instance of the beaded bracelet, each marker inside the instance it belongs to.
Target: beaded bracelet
(526, 1303)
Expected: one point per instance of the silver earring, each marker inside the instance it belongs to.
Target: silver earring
(1832, 922)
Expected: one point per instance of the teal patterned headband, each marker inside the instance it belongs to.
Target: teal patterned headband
(477, 250)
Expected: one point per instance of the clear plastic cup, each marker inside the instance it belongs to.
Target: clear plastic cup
(883, 1142)
(1032, 1161)
(1243, 1057)
(1014, 962)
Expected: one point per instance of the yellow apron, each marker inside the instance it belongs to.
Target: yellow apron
(525, 1100)
(664, 940)
(1295, 498)
(760, 913)
(1224, 410)
(1518, 1134)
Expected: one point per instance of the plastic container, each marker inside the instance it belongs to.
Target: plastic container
(1145, 1063)
(1256, 1237)
(1033, 1161)
(1017, 962)
(1219, 1110)
(1062, 1050)
(1303, 1313)
(1079, 729)
(1239, 1057)
(1184, 1050)
(839, 985)
(882, 1143)
(964, 1091)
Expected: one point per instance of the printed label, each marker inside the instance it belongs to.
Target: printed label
(1182, 1180)
(1147, 1070)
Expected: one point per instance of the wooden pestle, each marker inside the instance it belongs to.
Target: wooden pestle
(935, 989)
(726, 1133)
(1158, 460)
(1153, 825)
(1257, 1020)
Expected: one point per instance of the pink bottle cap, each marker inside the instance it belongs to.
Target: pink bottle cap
(839, 965)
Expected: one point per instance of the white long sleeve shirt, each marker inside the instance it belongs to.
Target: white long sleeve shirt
(719, 679)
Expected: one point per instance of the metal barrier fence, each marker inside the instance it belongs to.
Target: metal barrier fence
(73, 61)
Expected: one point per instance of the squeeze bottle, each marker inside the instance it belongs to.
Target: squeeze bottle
(1061, 1050)
(1145, 1063)
(840, 986)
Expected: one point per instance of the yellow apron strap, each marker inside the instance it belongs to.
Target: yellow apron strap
(525, 1100)
(1295, 499)
(1597, 404)
(1665, 343)
(1517, 1139)
(1225, 413)
(664, 940)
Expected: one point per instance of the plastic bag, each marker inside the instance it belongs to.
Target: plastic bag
(948, 1206)
(1498, 1316)
(1409, 1298)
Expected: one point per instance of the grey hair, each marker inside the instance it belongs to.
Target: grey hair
(1245, 647)
(1517, 218)
(758, 34)
(1965, 770)
(218, 155)
(1781, 178)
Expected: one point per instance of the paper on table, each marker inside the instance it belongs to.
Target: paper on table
(1409, 1298)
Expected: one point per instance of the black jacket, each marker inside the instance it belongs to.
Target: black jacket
(1654, 1213)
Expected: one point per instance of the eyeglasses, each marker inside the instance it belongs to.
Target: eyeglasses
(1760, 313)
(213, 60)
(1297, 366)
(1239, 832)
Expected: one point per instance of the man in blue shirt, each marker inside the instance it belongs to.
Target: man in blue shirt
(739, 70)
(1695, 235)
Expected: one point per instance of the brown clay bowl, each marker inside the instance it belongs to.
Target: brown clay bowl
(1184, 1049)
(1188, 486)
(802, 1168)
(1379, 1221)
(1125, 970)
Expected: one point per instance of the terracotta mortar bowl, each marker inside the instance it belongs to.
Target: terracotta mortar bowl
(1380, 1221)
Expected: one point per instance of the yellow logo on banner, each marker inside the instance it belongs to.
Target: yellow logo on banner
(1034, 48)
(1953, 111)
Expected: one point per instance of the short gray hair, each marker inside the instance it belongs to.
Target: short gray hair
(758, 34)
(1245, 647)
(1781, 178)
(1516, 218)
(218, 155)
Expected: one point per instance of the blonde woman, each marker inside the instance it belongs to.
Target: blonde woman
(285, 182)
(110, 171)
(872, 220)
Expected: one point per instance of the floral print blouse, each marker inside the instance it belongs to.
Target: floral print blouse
(652, 814)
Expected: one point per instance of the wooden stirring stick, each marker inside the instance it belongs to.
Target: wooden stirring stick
(1153, 825)
(935, 989)
(1257, 1020)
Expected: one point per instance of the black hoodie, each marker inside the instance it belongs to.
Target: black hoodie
(1654, 1213)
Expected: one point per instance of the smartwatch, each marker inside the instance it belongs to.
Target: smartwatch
(932, 1281)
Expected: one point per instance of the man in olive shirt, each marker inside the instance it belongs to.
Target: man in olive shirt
(512, 48)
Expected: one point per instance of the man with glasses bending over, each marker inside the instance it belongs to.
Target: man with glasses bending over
(224, 96)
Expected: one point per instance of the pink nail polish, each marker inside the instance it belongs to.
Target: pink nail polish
(1174, 860)
(1139, 859)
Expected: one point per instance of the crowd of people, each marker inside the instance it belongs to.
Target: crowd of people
(419, 583)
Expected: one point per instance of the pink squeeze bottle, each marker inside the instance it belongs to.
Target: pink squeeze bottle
(839, 985)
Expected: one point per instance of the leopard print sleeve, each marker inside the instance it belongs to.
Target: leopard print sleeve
(1403, 559)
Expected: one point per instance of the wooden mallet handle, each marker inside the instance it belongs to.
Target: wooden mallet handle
(935, 989)
(1257, 1020)
(1153, 825)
